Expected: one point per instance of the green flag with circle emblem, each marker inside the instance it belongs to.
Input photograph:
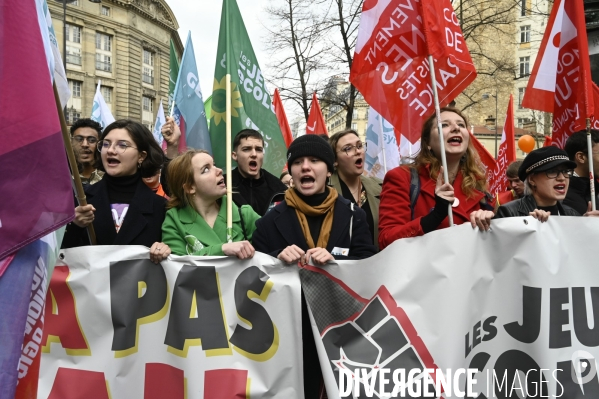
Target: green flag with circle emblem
(251, 105)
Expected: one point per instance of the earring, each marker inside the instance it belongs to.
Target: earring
(139, 165)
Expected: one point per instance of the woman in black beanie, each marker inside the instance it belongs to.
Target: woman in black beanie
(315, 224)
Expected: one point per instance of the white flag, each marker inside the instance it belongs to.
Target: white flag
(100, 111)
(160, 120)
(380, 137)
(407, 150)
(55, 66)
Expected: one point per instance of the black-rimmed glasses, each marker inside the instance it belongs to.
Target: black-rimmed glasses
(554, 173)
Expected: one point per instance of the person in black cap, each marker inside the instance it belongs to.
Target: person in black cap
(546, 175)
(315, 224)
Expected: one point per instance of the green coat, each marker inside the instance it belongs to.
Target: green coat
(186, 233)
(373, 187)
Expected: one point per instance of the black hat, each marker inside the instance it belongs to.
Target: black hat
(542, 159)
(311, 145)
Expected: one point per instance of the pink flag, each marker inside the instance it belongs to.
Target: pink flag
(506, 154)
(561, 78)
(390, 66)
(316, 123)
(282, 118)
(35, 181)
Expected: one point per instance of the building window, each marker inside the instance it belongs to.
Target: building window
(524, 66)
(105, 11)
(523, 8)
(103, 42)
(354, 127)
(521, 91)
(103, 62)
(106, 93)
(73, 34)
(148, 67)
(525, 34)
(522, 122)
(354, 114)
(74, 55)
(72, 116)
(75, 87)
(147, 104)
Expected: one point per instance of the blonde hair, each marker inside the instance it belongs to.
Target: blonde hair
(180, 176)
(473, 173)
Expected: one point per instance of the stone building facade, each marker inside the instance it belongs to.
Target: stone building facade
(123, 43)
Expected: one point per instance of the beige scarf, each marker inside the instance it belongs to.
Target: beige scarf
(302, 209)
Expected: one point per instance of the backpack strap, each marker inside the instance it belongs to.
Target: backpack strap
(414, 190)
(245, 237)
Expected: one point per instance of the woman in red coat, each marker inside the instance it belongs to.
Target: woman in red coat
(422, 185)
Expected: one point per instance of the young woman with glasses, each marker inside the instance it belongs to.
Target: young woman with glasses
(122, 209)
(546, 175)
(348, 178)
(415, 199)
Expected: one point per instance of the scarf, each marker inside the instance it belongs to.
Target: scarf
(302, 209)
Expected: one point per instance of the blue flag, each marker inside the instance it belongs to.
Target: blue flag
(189, 101)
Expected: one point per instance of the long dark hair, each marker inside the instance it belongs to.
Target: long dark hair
(144, 141)
(471, 166)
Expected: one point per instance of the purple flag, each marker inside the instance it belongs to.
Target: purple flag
(34, 177)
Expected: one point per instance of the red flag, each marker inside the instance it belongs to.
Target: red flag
(390, 66)
(282, 118)
(34, 178)
(316, 123)
(561, 77)
(488, 162)
(548, 141)
(506, 154)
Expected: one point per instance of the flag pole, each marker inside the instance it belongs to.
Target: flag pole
(383, 137)
(170, 114)
(228, 163)
(79, 193)
(591, 170)
(431, 65)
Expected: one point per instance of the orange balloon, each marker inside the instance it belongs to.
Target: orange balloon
(526, 143)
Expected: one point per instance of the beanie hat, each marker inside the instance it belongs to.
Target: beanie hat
(311, 145)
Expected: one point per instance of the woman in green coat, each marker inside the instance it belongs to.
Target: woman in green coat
(196, 220)
(349, 181)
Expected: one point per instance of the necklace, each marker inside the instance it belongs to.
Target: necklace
(359, 195)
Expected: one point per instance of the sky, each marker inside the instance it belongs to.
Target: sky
(202, 18)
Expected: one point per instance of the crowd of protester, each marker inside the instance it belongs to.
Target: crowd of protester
(322, 207)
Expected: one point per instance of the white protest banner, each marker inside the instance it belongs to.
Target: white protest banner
(510, 313)
(120, 326)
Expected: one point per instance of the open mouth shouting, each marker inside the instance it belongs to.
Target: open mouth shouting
(307, 181)
(221, 183)
(253, 165)
(560, 189)
(111, 161)
(359, 163)
(454, 141)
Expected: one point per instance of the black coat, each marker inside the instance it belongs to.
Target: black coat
(579, 194)
(258, 193)
(142, 224)
(281, 228)
(527, 204)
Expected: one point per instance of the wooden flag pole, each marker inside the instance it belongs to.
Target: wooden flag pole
(383, 137)
(591, 170)
(431, 65)
(228, 164)
(79, 193)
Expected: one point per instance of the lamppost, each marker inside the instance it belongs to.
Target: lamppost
(485, 97)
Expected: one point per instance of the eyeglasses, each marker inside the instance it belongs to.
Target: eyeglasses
(554, 173)
(120, 146)
(353, 148)
(81, 139)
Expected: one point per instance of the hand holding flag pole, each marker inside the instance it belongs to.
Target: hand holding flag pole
(79, 193)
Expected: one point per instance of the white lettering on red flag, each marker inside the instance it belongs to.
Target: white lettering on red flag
(390, 66)
(506, 153)
(316, 124)
(561, 77)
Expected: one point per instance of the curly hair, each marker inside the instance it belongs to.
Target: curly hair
(471, 166)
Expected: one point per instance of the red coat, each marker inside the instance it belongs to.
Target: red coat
(395, 213)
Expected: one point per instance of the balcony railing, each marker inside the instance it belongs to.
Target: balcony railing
(104, 66)
(147, 79)
(73, 59)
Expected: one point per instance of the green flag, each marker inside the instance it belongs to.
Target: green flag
(251, 105)
(173, 73)
(208, 108)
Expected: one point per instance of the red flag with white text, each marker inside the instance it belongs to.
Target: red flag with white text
(561, 78)
(282, 118)
(506, 153)
(316, 124)
(390, 66)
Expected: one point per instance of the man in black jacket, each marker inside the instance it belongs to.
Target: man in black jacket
(579, 192)
(253, 185)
